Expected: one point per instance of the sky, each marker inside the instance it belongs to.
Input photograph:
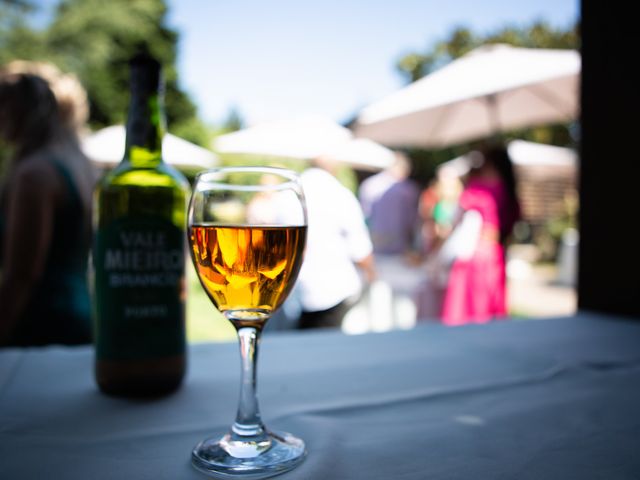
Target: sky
(281, 59)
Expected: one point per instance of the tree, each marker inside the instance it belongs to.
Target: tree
(95, 39)
(233, 121)
(461, 40)
(17, 38)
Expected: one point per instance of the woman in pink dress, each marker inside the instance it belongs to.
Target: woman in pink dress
(476, 288)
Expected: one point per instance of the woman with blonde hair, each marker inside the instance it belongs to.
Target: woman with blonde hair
(45, 208)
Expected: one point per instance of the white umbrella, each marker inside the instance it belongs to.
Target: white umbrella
(523, 154)
(363, 154)
(306, 138)
(492, 89)
(532, 154)
(300, 138)
(106, 148)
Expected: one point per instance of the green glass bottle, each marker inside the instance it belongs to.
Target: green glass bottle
(139, 254)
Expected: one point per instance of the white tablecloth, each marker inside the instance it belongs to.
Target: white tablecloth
(539, 399)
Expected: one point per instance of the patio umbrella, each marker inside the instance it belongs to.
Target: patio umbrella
(301, 138)
(363, 154)
(306, 138)
(526, 155)
(106, 148)
(493, 89)
(539, 154)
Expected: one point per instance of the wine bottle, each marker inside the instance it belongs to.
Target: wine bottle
(139, 254)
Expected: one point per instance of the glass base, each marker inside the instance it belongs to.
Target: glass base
(224, 457)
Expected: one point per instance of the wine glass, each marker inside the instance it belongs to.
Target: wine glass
(247, 232)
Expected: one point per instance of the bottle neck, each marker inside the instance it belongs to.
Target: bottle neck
(145, 130)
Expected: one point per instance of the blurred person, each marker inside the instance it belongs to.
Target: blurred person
(427, 203)
(488, 210)
(390, 201)
(45, 208)
(269, 207)
(449, 188)
(338, 247)
(438, 209)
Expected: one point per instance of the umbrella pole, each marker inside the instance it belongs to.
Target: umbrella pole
(492, 109)
(494, 119)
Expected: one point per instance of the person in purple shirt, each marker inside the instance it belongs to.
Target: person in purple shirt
(390, 202)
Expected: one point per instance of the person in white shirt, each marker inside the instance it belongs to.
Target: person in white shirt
(338, 244)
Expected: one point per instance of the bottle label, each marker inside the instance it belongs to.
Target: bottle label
(139, 266)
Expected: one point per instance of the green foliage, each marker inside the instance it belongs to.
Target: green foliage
(233, 121)
(17, 39)
(241, 159)
(95, 39)
(193, 130)
(461, 40)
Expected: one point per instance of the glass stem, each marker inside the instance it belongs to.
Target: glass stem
(248, 422)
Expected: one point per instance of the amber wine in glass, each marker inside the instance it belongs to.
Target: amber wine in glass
(247, 232)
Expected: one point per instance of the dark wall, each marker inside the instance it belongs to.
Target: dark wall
(609, 271)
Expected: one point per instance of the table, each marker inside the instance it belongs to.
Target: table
(535, 399)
